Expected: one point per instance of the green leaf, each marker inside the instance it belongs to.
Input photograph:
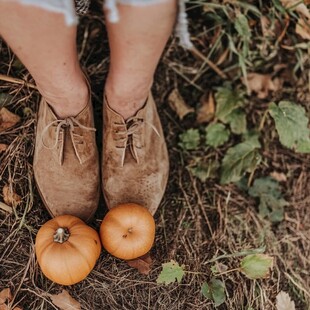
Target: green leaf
(190, 139)
(256, 266)
(271, 202)
(292, 125)
(216, 135)
(227, 100)
(239, 159)
(214, 290)
(303, 146)
(171, 271)
(237, 121)
(242, 26)
(204, 171)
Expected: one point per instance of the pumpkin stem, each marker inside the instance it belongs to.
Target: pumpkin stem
(130, 230)
(61, 235)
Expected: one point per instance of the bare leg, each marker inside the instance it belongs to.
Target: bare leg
(47, 47)
(136, 44)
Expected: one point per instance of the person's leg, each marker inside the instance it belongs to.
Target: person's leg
(66, 164)
(136, 43)
(47, 47)
(135, 159)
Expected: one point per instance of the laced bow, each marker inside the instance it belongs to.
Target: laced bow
(69, 122)
(129, 134)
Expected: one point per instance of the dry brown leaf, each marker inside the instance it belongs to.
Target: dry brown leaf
(262, 84)
(3, 147)
(142, 264)
(297, 6)
(278, 176)
(65, 302)
(303, 28)
(7, 119)
(10, 198)
(5, 295)
(284, 302)
(267, 31)
(207, 108)
(177, 104)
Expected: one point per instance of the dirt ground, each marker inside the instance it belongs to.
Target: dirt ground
(197, 221)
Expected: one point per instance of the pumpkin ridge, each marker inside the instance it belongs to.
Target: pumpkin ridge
(42, 248)
(49, 272)
(73, 246)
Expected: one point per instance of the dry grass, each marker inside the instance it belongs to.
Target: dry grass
(198, 225)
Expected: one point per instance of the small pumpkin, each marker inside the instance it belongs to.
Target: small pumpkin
(67, 249)
(128, 231)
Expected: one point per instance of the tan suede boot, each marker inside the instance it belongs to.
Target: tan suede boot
(135, 163)
(66, 164)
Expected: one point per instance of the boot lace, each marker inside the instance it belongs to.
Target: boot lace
(69, 122)
(130, 134)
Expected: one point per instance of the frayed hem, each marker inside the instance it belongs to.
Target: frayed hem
(181, 28)
(63, 7)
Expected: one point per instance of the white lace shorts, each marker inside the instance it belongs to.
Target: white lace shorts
(71, 9)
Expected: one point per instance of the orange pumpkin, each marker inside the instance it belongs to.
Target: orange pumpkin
(67, 249)
(128, 231)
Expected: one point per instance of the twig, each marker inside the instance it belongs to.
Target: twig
(296, 284)
(237, 254)
(212, 65)
(23, 278)
(17, 81)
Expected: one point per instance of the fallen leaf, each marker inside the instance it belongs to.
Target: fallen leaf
(204, 171)
(227, 100)
(171, 271)
(292, 125)
(5, 295)
(267, 30)
(218, 268)
(190, 139)
(241, 158)
(10, 198)
(177, 104)
(278, 176)
(3, 147)
(271, 203)
(296, 5)
(237, 121)
(215, 290)
(262, 84)
(256, 266)
(207, 108)
(303, 28)
(7, 119)
(142, 264)
(65, 302)
(216, 134)
(284, 302)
